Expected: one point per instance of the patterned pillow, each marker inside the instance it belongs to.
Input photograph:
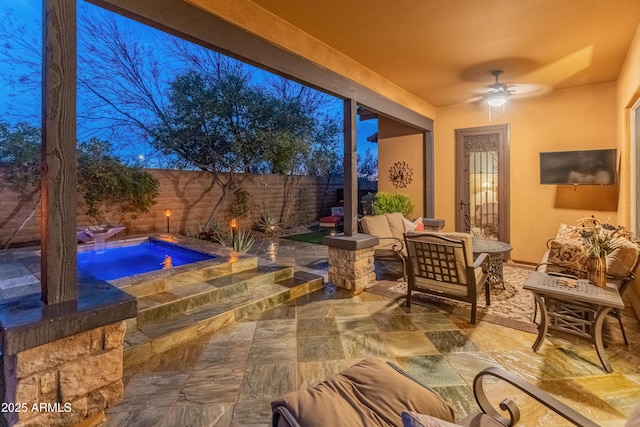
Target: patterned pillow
(566, 233)
(565, 258)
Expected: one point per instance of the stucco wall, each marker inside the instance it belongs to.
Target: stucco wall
(627, 94)
(191, 197)
(572, 119)
(400, 143)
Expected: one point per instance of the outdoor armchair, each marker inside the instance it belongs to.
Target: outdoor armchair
(442, 264)
(378, 393)
(389, 229)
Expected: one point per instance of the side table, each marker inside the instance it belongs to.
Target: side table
(572, 306)
(496, 251)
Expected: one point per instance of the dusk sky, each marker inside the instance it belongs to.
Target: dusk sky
(29, 12)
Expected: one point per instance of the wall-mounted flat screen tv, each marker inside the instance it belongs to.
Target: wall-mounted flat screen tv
(587, 167)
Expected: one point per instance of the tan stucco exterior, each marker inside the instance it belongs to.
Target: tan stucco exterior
(400, 143)
(628, 93)
(572, 119)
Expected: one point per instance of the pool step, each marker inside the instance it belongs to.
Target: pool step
(177, 300)
(236, 303)
(167, 283)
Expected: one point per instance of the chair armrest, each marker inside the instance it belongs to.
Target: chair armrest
(549, 242)
(283, 412)
(396, 247)
(482, 260)
(508, 405)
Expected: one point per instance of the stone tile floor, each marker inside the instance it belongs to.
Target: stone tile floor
(230, 377)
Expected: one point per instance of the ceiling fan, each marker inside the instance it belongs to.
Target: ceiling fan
(498, 93)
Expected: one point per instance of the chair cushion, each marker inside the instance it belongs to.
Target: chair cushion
(621, 261)
(467, 243)
(330, 220)
(376, 225)
(460, 262)
(384, 227)
(369, 393)
(396, 224)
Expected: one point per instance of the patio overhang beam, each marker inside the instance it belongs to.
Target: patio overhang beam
(198, 26)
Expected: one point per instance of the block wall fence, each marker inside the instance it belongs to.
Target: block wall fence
(191, 197)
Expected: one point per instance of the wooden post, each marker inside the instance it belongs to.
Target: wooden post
(350, 169)
(58, 175)
(429, 162)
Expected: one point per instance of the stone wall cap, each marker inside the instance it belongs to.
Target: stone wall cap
(355, 242)
(433, 222)
(27, 322)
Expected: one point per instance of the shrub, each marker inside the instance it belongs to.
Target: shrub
(267, 223)
(385, 203)
(240, 205)
(217, 233)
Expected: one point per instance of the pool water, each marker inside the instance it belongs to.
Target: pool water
(114, 263)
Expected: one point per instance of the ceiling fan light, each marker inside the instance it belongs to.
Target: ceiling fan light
(497, 101)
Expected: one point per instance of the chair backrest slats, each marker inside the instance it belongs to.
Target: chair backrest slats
(436, 257)
(434, 261)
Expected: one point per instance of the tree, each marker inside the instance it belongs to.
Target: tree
(20, 167)
(215, 122)
(304, 137)
(196, 108)
(368, 166)
(109, 190)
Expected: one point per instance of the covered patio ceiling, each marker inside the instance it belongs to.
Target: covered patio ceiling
(443, 51)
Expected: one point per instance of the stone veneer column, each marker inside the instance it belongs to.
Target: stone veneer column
(65, 358)
(351, 269)
(67, 381)
(351, 262)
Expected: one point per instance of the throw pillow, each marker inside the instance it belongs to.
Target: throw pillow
(565, 258)
(409, 226)
(419, 224)
(413, 419)
(566, 233)
(620, 262)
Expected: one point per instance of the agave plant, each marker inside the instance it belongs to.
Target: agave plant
(267, 223)
(243, 241)
(211, 233)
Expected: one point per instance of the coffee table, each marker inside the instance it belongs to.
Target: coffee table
(496, 251)
(572, 306)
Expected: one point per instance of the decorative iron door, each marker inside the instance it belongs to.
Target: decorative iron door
(482, 182)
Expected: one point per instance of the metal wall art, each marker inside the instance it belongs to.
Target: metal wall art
(400, 174)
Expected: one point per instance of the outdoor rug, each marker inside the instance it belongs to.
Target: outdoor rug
(510, 306)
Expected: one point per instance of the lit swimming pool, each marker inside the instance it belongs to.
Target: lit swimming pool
(123, 261)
